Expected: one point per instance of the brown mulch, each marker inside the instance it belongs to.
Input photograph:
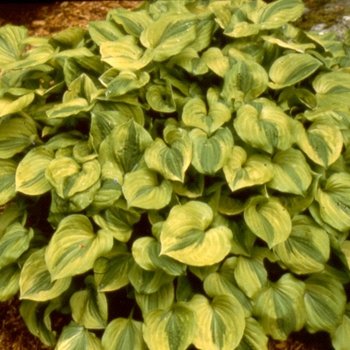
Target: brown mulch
(46, 19)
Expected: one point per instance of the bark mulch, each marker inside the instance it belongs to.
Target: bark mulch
(46, 19)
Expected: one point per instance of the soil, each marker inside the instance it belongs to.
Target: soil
(48, 18)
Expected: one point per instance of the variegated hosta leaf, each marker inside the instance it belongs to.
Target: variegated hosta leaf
(14, 241)
(322, 142)
(160, 98)
(16, 134)
(299, 47)
(118, 220)
(134, 23)
(169, 35)
(161, 299)
(221, 322)
(245, 81)
(74, 247)
(210, 154)
(173, 328)
(124, 53)
(268, 129)
(9, 281)
(188, 237)
(223, 282)
(142, 189)
(307, 248)
(216, 61)
(254, 337)
(37, 319)
(325, 302)
(291, 69)
(279, 307)
(195, 114)
(7, 180)
(89, 308)
(251, 275)
(69, 108)
(341, 336)
(334, 200)
(243, 238)
(35, 282)
(126, 143)
(171, 160)
(146, 252)
(30, 174)
(268, 219)
(101, 31)
(11, 46)
(278, 13)
(148, 282)
(241, 172)
(8, 106)
(332, 88)
(68, 177)
(123, 333)
(291, 172)
(117, 265)
(193, 185)
(126, 81)
(189, 60)
(345, 248)
(75, 337)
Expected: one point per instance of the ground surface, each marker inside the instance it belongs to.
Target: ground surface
(48, 18)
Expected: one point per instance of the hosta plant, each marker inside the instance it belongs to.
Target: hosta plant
(177, 176)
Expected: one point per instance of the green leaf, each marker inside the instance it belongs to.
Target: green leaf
(341, 336)
(37, 321)
(8, 106)
(291, 69)
(221, 322)
(161, 299)
(241, 171)
(190, 61)
(134, 23)
(254, 337)
(210, 154)
(68, 38)
(74, 247)
(245, 81)
(299, 47)
(9, 281)
(142, 189)
(188, 237)
(268, 219)
(325, 302)
(169, 35)
(11, 46)
(165, 329)
(89, 308)
(118, 220)
(124, 53)
(160, 98)
(268, 129)
(291, 173)
(216, 61)
(148, 282)
(35, 282)
(102, 31)
(334, 201)
(68, 177)
(123, 334)
(250, 275)
(195, 114)
(279, 307)
(76, 337)
(30, 174)
(307, 249)
(171, 160)
(322, 142)
(7, 180)
(69, 108)
(14, 242)
(16, 134)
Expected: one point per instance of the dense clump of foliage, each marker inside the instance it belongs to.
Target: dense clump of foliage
(177, 176)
